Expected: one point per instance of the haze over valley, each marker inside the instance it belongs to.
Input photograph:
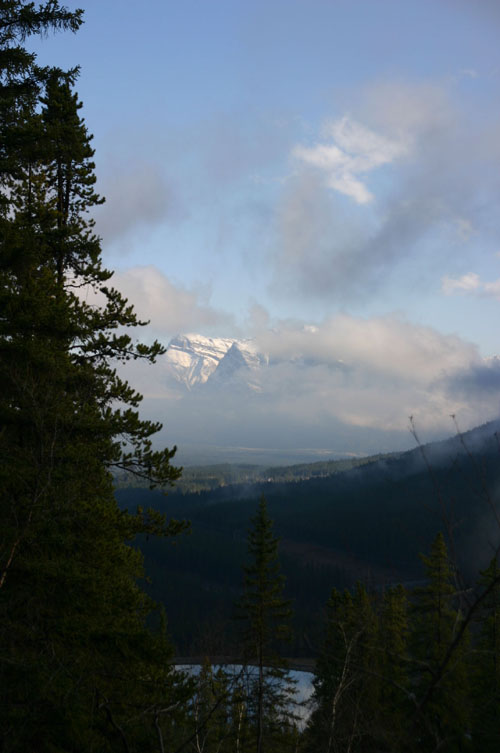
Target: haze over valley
(344, 389)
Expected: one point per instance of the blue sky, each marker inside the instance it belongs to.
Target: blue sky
(283, 165)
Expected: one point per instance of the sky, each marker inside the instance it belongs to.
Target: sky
(319, 175)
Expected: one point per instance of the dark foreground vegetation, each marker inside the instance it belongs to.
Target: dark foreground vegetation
(86, 660)
(367, 524)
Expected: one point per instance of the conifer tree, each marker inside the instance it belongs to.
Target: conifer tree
(395, 710)
(345, 696)
(333, 675)
(441, 690)
(485, 670)
(266, 617)
(210, 711)
(78, 668)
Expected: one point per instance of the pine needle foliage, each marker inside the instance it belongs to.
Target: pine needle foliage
(266, 615)
(79, 670)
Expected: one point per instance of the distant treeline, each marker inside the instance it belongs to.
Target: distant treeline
(206, 477)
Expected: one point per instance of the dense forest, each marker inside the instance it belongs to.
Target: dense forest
(200, 478)
(86, 650)
(366, 524)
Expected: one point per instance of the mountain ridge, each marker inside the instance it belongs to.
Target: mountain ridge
(195, 360)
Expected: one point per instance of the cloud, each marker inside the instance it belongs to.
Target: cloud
(479, 380)
(382, 347)
(370, 373)
(354, 150)
(170, 308)
(408, 112)
(471, 283)
(423, 175)
(137, 196)
(347, 383)
(467, 283)
(323, 250)
(492, 289)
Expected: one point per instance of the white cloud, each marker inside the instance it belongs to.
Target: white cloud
(471, 283)
(354, 150)
(169, 308)
(438, 194)
(373, 373)
(464, 284)
(492, 289)
(381, 349)
(347, 382)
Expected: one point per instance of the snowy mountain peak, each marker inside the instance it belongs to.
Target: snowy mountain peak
(195, 359)
(241, 363)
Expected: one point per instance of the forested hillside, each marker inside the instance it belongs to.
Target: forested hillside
(199, 478)
(367, 524)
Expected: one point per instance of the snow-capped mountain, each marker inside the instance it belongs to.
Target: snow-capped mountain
(194, 360)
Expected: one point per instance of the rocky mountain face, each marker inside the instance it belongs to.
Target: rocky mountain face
(195, 360)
